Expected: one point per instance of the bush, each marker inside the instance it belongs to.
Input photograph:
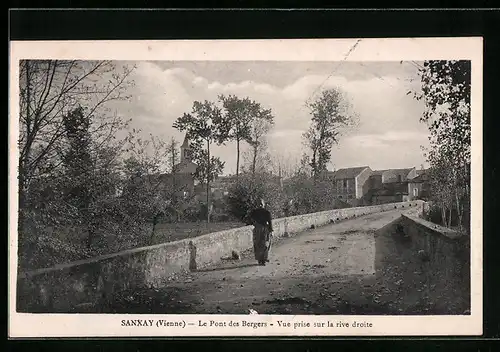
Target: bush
(310, 197)
(246, 194)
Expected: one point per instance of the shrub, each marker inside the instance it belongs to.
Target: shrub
(246, 194)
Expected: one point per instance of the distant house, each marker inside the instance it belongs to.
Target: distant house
(418, 187)
(390, 185)
(390, 192)
(376, 179)
(351, 183)
(379, 177)
(398, 175)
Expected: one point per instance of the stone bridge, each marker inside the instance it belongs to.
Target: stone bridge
(367, 260)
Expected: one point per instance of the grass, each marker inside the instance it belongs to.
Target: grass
(169, 232)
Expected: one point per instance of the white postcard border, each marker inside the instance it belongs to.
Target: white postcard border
(383, 49)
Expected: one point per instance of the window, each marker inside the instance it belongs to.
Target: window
(415, 192)
(399, 178)
(345, 183)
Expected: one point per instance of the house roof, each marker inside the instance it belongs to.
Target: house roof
(350, 172)
(418, 179)
(422, 176)
(393, 173)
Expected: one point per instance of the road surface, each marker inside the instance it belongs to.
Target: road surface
(343, 268)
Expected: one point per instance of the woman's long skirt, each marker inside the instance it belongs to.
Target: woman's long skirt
(261, 243)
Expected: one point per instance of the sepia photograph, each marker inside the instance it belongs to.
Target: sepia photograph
(275, 187)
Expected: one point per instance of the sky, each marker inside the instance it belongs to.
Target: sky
(388, 133)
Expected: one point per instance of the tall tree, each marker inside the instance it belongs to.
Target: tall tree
(331, 112)
(49, 90)
(173, 154)
(78, 164)
(204, 126)
(446, 89)
(204, 171)
(243, 121)
(260, 125)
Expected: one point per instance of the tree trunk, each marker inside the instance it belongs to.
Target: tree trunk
(208, 181)
(443, 214)
(91, 224)
(314, 166)
(459, 209)
(21, 202)
(22, 171)
(254, 159)
(237, 158)
(449, 217)
(153, 230)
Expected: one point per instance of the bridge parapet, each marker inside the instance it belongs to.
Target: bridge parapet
(442, 255)
(95, 280)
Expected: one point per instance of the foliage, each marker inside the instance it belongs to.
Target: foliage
(67, 146)
(257, 140)
(309, 196)
(151, 192)
(304, 169)
(244, 120)
(204, 126)
(247, 193)
(173, 152)
(446, 94)
(331, 112)
(49, 90)
(200, 158)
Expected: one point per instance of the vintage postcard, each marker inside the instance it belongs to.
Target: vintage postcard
(245, 188)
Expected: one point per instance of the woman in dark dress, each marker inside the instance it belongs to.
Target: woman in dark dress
(262, 232)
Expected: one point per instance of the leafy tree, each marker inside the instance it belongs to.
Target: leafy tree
(204, 126)
(79, 166)
(246, 195)
(206, 171)
(304, 168)
(260, 126)
(279, 164)
(151, 190)
(331, 112)
(49, 89)
(244, 120)
(173, 152)
(310, 196)
(446, 87)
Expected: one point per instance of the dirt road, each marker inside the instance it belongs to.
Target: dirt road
(344, 268)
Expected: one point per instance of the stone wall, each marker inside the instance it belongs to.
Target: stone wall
(444, 256)
(94, 280)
